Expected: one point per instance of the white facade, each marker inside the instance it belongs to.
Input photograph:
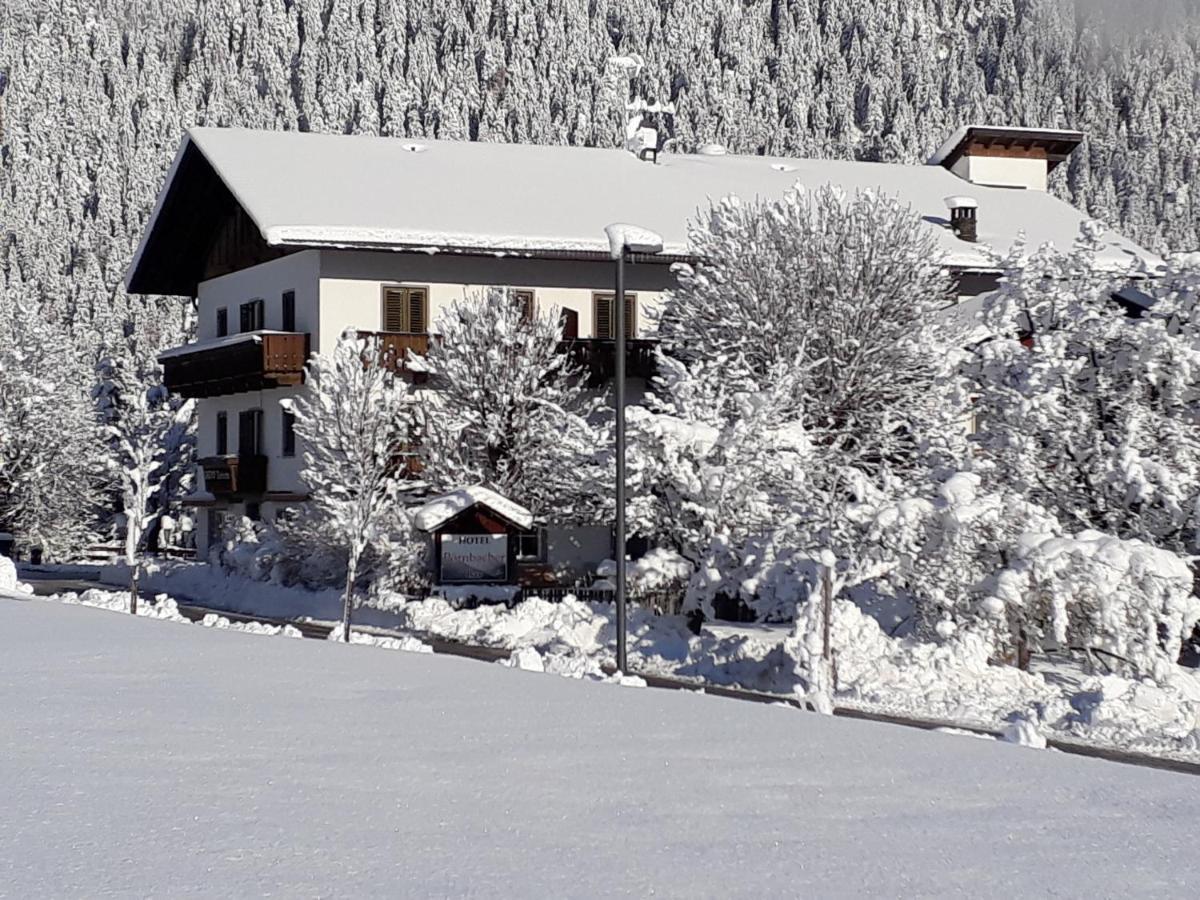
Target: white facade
(337, 290)
(298, 272)
(1003, 171)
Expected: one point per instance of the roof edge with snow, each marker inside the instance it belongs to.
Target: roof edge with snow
(437, 512)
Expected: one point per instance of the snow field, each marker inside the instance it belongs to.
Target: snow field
(301, 770)
(952, 680)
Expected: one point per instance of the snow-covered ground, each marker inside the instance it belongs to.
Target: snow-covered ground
(952, 682)
(144, 758)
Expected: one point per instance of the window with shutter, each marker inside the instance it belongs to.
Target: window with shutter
(604, 320)
(405, 310)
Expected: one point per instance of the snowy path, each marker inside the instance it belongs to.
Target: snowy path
(144, 757)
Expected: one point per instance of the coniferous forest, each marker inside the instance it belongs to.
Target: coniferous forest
(94, 95)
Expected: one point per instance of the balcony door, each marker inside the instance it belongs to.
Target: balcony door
(250, 433)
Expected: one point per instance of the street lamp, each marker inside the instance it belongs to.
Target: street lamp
(623, 239)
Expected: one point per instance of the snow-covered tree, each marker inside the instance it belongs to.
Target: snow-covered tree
(506, 408)
(825, 303)
(150, 435)
(52, 467)
(846, 287)
(354, 418)
(1087, 410)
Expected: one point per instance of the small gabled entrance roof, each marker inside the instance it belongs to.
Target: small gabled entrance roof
(440, 510)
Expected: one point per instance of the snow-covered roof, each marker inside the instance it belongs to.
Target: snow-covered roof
(440, 510)
(213, 343)
(314, 190)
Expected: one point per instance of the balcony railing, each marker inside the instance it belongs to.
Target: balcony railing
(597, 357)
(234, 476)
(253, 361)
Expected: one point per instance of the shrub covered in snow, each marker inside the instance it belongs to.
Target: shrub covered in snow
(1100, 593)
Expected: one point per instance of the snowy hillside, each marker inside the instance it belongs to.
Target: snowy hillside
(147, 758)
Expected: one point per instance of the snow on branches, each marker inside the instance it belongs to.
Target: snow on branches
(509, 410)
(355, 419)
(810, 320)
(51, 450)
(1090, 409)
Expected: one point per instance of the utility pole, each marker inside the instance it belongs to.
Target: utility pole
(622, 240)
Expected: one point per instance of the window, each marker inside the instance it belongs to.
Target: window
(288, 443)
(405, 309)
(252, 316)
(569, 320)
(222, 321)
(288, 323)
(529, 545)
(524, 299)
(222, 434)
(250, 432)
(604, 320)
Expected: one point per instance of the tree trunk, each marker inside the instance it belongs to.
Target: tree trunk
(134, 571)
(826, 615)
(348, 602)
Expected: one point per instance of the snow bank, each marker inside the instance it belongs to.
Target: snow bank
(212, 620)
(8, 578)
(951, 680)
(407, 643)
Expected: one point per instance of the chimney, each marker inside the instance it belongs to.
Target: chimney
(999, 156)
(962, 217)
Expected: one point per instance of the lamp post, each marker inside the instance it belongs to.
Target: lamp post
(623, 239)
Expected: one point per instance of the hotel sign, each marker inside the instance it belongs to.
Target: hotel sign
(474, 557)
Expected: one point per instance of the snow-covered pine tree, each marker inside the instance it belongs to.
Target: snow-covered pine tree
(52, 462)
(354, 418)
(508, 409)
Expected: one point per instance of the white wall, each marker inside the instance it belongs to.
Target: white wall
(267, 281)
(283, 472)
(352, 285)
(1003, 171)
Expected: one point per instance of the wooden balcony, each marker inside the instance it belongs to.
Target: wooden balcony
(597, 357)
(227, 477)
(253, 361)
